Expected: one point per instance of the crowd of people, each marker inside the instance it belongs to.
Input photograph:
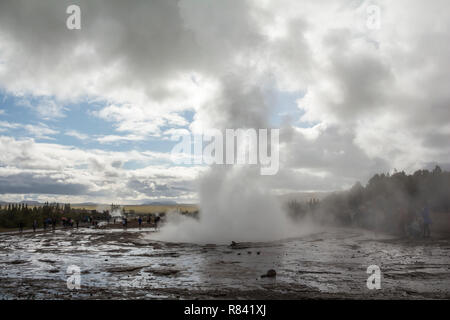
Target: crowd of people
(152, 221)
(87, 221)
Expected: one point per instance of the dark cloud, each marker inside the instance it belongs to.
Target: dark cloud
(154, 189)
(379, 98)
(28, 183)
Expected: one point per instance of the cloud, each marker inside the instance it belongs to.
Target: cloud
(117, 138)
(39, 131)
(374, 100)
(45, 107)
(76, 134)
(94, 174)
(24, 183)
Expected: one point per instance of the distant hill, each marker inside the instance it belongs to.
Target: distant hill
(29, 202)
(160, 203)
(85, 204)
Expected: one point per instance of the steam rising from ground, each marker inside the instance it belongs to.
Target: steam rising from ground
(234, 207)
(235, 202)
(115, 211)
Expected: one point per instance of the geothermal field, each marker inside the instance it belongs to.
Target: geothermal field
(224, 150)
(133, 264)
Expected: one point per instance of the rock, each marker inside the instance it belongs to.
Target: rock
(240, 245)
(17, 262)
(163, 272)
(125, 269)
(47, 260)
(270, 274)
(139, 243)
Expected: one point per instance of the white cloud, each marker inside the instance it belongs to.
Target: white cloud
(90, 174)
(46, 108)
(39, 131)
(116, 138)
(76, 134)
(377, 99)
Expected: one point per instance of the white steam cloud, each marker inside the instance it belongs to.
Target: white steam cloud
(234, 207)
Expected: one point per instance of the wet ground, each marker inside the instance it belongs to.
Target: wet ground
(117, 264)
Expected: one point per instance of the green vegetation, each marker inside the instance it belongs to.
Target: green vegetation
(13, 214)
(380, 205)
(383, 202)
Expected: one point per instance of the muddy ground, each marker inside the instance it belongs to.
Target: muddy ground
(118, 264)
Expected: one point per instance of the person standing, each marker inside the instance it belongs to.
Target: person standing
(21, 226)
(426, 221)
(35, 224)
(157, 219)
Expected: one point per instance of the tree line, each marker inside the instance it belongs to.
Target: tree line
(382, 201)
(13, 214)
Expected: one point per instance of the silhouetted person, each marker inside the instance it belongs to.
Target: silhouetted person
(77, 222)
(21, 227)
(157, 219)
(426, 221)
(53, 224)
(140, 222)
(35, 224)
(414, 227)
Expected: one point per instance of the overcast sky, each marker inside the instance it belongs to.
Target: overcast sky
(87, 115)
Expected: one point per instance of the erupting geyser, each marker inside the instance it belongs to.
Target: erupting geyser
(234, 207)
